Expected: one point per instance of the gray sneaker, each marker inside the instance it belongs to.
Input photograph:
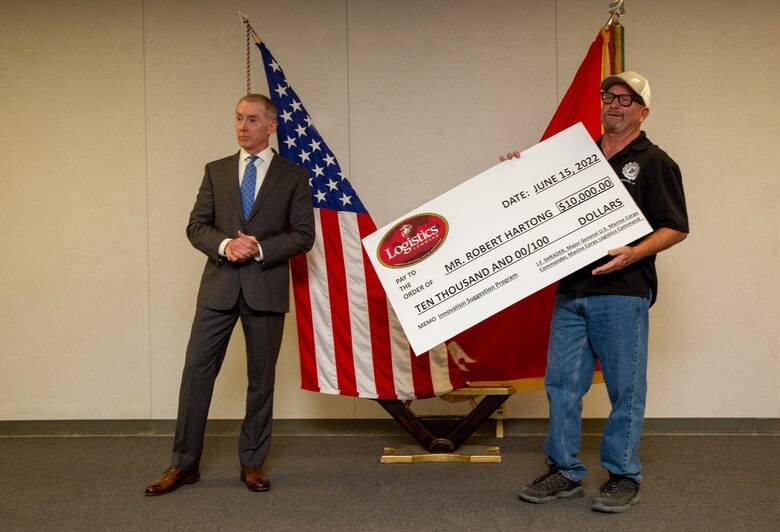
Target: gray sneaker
(550, 486)
(616, 495)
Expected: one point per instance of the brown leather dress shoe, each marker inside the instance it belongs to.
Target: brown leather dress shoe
(172, 479)
(255, 479)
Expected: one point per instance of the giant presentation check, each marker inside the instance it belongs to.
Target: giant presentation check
(501, 236)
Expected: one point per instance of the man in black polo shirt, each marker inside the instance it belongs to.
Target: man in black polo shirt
(601, 313)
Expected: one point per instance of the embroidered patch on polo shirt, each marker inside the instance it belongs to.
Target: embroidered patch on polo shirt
(631, 172)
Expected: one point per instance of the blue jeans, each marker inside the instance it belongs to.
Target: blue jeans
(613, 330)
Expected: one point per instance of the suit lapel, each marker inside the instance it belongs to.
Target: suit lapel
(231, 176)
(272, 177)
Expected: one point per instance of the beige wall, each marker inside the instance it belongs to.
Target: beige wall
(108, 111)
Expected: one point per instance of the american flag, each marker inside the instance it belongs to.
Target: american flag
(350, 340)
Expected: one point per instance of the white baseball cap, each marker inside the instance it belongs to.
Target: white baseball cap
(635, 81)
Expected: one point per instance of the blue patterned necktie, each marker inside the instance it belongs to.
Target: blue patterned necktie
(248, 185)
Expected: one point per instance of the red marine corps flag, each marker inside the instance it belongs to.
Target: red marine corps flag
(511, 347)
(350, 340)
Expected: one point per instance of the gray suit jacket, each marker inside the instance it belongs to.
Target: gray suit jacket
(282, 220)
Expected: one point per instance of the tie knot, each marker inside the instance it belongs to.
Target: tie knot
(251, 159)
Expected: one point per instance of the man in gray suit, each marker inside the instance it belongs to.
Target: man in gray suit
(252, 214)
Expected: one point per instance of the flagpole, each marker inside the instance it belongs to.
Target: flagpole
(615, 9)
(249, 27)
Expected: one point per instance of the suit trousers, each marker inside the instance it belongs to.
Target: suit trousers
(211, 331)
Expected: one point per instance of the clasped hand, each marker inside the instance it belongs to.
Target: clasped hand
(243, 248)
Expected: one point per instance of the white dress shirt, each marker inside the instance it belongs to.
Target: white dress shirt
(261, 163)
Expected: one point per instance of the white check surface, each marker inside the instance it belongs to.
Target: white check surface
(512, 230)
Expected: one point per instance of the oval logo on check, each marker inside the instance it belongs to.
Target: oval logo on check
(412, 240)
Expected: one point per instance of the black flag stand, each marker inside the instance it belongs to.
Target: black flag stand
(445, 434)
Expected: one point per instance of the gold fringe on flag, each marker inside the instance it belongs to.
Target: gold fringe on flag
(613, 55)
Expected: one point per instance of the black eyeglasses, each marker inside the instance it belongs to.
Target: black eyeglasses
(623, 99)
